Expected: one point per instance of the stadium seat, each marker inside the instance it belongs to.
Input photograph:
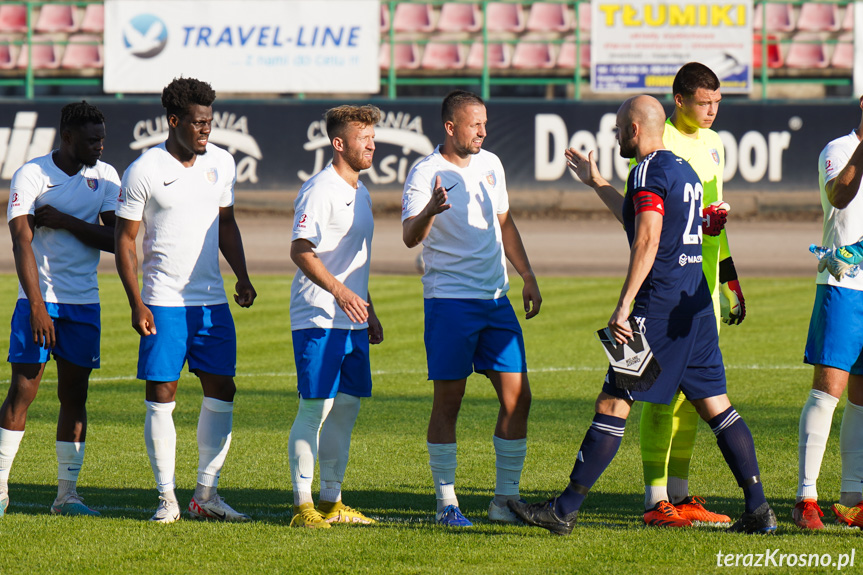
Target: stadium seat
(774, 53)
(819, 17)
(504, 17)
(413, 18)
(406, 56)
(45, 55)
(83, 51)
(443, 56)
(566, 57)
(459, 18)
(843, 53)
(548, 17)
(499, 56)
(532, 55)
(848, 20)
(584, 16)
(13, 18)
(56, 18)
(806, 51)
(780, 17)
(94, 18)
(7, 55)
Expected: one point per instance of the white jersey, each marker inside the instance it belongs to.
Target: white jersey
(67, 266)
(463, 253)
(845, 226)
(337, 219)
(179, 208)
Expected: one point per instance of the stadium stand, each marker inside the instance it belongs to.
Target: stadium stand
(807, 51)
(82, 51)
(45, 54)
(566, 56)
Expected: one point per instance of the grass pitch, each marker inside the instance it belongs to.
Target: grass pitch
(388, 475)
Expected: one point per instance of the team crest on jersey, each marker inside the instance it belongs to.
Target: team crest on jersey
(714, 153)
(93, 184)
(490, 178)
(212, 175)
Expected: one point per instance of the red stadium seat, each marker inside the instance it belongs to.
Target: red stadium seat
(413, 18)
(499, 56)
(774, 53)
(848, 20)
(83, 51)
(504, 17)
(56, 18)
(843, 54)
(443, 56)
(532, 55)
(806, 51)
(405, 56)
(566, 57)
(94, 18)
(819, 17)
(13, 18)
(459, 18)
(45, 55)
(780, 17)
(548, 17)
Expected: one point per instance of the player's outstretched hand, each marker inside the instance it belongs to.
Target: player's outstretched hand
(142, 320)
(246, 293)
(530, 296)
(584, 167)
(842, 260)
(619, 326)
(42, 327)
(50, 217)
(714, 217)
(353, 305)
(376, 330)
(438, 201)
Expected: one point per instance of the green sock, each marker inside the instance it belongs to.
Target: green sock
(655, 433)
(683, 429)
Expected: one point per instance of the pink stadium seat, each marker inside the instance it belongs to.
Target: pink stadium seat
(385, 17)
(806, 51)
(56, 18)
(843, 54)
(13, 18)
(83, 51)
(819, 17)
(460, 18)
(584, 16)
(94, 18)
(7, 56)
(405, 57)
(499, 56)
(780, 17)
(413, 18)
(566, 57)
(774, 54)
(504, 17)
(44, 54)
(443, 56)
(848, 20)
(532, 55)
(548, 17)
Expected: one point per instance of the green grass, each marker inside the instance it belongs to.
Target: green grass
(388, 475)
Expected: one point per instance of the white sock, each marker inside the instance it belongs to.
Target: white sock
(653, 494)
(335, 443)
(851, 447)
(70, 458)
(214, 440)
(160, 436)
(303, 445)
(815, 421)
(9, 443)
(678, 489)
(442, 460)
(509, 462)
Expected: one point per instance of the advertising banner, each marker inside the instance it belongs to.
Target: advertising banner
(638, 45)
(249, 46)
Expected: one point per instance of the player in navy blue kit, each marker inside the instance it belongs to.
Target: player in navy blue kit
(667, 291)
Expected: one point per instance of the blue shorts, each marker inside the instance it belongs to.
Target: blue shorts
(466, 335)
(688, 353)
(76, 326)
(835, 330)
(203, 335)
(330, 361)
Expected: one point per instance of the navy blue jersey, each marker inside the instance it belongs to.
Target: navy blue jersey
(676, 286)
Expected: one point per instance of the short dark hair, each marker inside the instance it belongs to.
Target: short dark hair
(78, 114)
(341, 117)
(182, 93)
(455, 100)
(693, 76)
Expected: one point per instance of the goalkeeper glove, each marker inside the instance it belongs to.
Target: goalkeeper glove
(841, 260)
(731, 302)
(714, 217)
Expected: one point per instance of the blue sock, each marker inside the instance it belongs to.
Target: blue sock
(598, 448)
(738, 449)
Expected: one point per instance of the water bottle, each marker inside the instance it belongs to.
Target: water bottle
(822, 252)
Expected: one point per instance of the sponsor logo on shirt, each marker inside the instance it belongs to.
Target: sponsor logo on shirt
(490, 178)
(714, 153)
(685, 259)
(212, 175)
(120, 196)
(404, 204)
(301, 223)
(93, 184)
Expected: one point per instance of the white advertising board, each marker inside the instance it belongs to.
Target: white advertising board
(258, 46)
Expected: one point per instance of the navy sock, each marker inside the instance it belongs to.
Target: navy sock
(738, 449)
(598, 448)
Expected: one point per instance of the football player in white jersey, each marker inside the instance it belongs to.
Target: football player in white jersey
(55, 204)
(333, 320)
(183, 192)
(455, 203)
